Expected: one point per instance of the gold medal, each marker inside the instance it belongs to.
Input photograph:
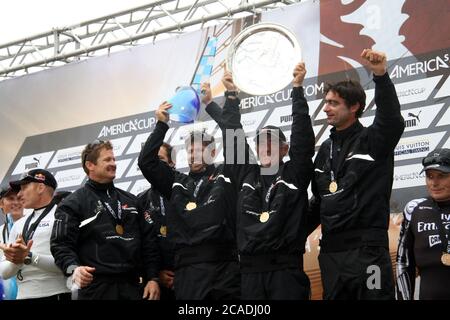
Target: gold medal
(163, 231)
(119, 229)
(333, 187)
(264, 217)
(445, 259)
(191, 206)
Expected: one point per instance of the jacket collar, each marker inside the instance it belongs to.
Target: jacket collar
(343, 134)
(100, 186)
(208, 171)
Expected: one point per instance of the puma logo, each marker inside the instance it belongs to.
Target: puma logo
(412, 115)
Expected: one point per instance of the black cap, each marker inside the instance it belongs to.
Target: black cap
(35, 175)
(438, 159)
(273, 131)
(5, 190)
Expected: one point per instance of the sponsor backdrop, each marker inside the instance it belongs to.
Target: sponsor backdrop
(48, 117)
(418, 66)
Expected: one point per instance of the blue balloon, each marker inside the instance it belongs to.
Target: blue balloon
(185, 105)
(2, 295)
(10, 289)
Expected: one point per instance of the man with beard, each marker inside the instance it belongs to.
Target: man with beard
(352, 187)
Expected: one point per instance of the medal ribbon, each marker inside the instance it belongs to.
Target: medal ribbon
(117, 216)
(332, 177)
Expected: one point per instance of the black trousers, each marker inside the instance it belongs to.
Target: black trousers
(208, 281)
(113, 288)
(166, 293)
(56, 297)
(363, 273)
(286, 284)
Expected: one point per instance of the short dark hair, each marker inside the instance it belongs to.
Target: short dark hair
(92, 151)
(199, 135)
(351, 91)
(169, 150)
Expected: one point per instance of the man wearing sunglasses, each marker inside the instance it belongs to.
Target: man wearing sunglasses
(28, 254)
(425, 235)
(101, 240)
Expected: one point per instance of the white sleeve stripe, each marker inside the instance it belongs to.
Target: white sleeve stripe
(89, 220)
(224, 178)
(175, 184)
(248, 185)
(289, 185)
(410, 206)
(361, 156)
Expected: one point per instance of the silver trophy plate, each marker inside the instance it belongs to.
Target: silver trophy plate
(262, 58)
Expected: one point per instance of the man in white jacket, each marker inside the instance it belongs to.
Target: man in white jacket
(11, 207)
(27, 255)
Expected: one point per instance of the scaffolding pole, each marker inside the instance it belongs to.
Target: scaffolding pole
(121, 30)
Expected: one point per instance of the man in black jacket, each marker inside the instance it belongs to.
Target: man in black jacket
(352, 187)
(272, 199)
(157, 208)
(100, 239)
(202, 223)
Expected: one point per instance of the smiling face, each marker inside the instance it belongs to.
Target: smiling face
(438, 185)
(200, 156)
(339, 115)
(104, 169)
(12, 204)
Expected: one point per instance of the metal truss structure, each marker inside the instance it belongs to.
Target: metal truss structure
(140, 25)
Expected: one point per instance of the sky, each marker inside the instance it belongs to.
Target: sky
(23, 18)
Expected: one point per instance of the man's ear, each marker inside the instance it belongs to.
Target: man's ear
(40, 188)
(89, 165)
(354, 108)
(284, 149)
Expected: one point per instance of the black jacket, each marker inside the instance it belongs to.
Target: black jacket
(213, 220)
(363, 168)
(420, 247)
(84, 234)
(158, 209)
(286, 201)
